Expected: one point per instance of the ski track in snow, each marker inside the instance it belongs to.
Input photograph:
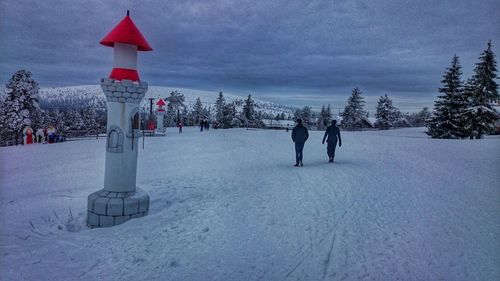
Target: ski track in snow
(229, 205)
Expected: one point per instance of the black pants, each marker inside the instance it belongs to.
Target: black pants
(299, 147)
(331, 149)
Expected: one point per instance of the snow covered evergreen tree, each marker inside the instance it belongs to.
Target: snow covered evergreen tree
(321, 124)
(447, 120)
(170, 117)
(323, 118)
(220, 104)
(297, 114)
(386, 113)
(4, 133)
(306, 115)
(74, 119)
(481, 92)
(198, 111)
(354, 116)
(417, 119)
(21, 103)
(228, 114)
(56, 118)
(38, 120)
(89, 117)
(176, 101)
(249, 109)
(328, 113)
(400, 119)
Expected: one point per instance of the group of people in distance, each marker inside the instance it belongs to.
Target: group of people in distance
(204, 125)
(300, 134)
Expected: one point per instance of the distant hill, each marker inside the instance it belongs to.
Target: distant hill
(78, 96)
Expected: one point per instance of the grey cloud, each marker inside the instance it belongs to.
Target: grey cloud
(311, 48)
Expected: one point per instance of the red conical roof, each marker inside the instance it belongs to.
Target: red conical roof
(161, 103)
(126, 32)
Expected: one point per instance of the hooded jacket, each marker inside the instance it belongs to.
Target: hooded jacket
(300, 134)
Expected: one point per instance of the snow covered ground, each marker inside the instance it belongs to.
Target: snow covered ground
(229, 205)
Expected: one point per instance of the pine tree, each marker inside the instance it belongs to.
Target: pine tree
(321, 120)
(481, 92)
(328, 113)
(4, 132)
(354, 116)
(228, 114)
(56, 119)
(38, 120)
(248, 109)
(386, 113)
(170, 117)
(306, 113)
(447, 120)
(325, 116)
(297, 114)
(21, 103)
(220, 104)
(74, 119)
(198, 111)
(176, 102)
(400, 119)
(89, 117)
(418, 119)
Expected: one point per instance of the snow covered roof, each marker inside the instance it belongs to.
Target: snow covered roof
(126, 32)
(371, 120)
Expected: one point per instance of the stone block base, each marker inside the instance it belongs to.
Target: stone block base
(106, 208)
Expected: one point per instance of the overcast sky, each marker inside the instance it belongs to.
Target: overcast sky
(295, 52)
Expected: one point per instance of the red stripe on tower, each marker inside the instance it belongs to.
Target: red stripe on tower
(124, 74)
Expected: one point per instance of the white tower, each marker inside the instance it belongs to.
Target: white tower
(160, 113)
(120, 199)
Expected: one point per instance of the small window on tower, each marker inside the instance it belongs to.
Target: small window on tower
(115, 140)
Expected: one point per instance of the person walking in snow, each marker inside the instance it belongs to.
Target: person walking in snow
(299, 137)
(180, 127)
(333, 134)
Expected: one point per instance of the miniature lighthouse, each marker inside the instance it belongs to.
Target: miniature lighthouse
(120, 199)
(160, 112)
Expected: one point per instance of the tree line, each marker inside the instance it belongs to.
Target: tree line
(461, 110)
(355, 117)
(21, 107)
(223, 114)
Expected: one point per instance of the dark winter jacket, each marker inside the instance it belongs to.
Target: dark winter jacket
(332, 132)
(300, 134)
